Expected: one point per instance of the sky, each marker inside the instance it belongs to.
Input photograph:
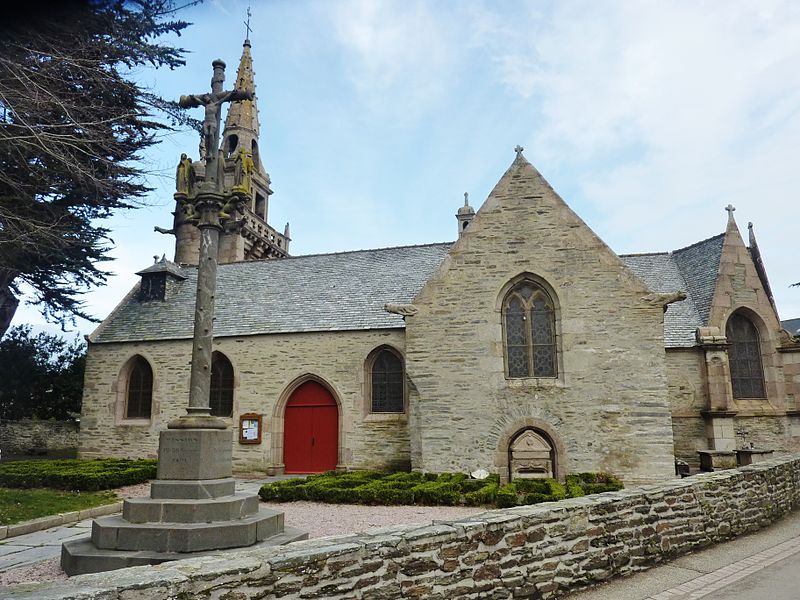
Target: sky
(647, 117)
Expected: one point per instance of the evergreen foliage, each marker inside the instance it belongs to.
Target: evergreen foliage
(446, 489)
(41, 376)
(74, 474)
(73, 123)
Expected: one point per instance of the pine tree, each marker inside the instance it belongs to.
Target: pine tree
(73, 124)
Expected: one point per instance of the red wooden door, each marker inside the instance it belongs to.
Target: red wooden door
(310, 430)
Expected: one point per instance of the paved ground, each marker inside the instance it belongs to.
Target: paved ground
(34, 547)
(760, 566)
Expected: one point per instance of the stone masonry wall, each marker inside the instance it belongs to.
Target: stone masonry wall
(688, 396)
(266, 369)
(534, 552)
(30, 436)
(607, 410)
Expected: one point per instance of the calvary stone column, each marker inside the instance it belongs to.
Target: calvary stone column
(193, 507)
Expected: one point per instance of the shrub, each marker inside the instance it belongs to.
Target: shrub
(594, 483)
(75, 474)
(437, 493)
(486, 494)
(448, 489)
(506, 496)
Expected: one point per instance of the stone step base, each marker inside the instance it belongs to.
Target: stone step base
(81, 556)
(225, 508)
(118, 534)
(200, 488)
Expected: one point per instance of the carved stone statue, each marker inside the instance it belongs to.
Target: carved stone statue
(243, 170)
(212, 102)
(184, 175)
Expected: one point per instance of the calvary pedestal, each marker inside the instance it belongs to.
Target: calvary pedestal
(193, 508)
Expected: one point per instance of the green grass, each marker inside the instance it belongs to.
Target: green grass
(23, 505)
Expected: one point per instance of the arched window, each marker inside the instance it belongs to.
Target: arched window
(221, 400)
(530, 330)
(387, 383)
(139, 396)
(744, 356)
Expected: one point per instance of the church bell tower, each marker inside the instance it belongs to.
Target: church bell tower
(247, 234)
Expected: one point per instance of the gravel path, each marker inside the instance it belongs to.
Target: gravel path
(317, 519)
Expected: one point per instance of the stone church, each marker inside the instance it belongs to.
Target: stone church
(527, 347)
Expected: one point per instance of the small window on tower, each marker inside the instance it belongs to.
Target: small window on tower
(261, 206)
(233, 141)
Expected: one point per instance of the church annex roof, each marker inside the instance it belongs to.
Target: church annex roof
(693, 270)
(322, 292)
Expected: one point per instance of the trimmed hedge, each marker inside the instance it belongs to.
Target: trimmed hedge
(75, 474)
(446, 489)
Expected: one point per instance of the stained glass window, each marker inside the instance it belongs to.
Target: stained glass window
(744, 356)
(387, 383)
(140, 390)
(530, 332)
(221, 396)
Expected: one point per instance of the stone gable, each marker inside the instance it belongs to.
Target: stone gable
(608, 405)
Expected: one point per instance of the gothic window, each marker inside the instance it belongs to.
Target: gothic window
(139, 396)
(221, 400)
(530, 330)
(387, 382)
(744, 356)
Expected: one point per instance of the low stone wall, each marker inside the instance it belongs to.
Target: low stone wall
(536, 552)
(31, 436)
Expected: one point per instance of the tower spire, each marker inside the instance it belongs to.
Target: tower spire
(241, 123)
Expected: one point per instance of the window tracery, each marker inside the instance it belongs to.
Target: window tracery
(530, 332)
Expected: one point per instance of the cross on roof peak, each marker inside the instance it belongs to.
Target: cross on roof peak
(730, 208)
(518, 149)
(247, 23)
(466, 198)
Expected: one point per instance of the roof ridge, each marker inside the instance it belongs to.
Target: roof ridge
(341, 252)
(713, 237)
(645, 254)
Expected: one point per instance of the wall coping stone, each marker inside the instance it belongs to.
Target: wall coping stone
(554, 547)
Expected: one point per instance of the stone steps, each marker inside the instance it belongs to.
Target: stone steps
(81, 556)
(179, 510)
(117, 533)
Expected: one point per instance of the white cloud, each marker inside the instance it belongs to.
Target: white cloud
(398, 54)
(667, 112)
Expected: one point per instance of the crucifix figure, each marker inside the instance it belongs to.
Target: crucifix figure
(213, 104)
(518, 149)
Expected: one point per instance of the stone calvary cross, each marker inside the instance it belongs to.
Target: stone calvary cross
(193, 508)
(208, 205)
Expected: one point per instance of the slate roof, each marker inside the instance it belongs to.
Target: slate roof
(693, 270)
(323, 292)
(792, 326)
(347, 290)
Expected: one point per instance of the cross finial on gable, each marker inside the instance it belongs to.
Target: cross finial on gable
(730, 208)
(247, 23)
(518, 149)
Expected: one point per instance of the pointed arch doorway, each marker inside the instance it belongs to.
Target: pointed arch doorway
(311, 430)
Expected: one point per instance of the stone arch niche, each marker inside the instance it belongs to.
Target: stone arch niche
(530, 449)
(531, 455)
